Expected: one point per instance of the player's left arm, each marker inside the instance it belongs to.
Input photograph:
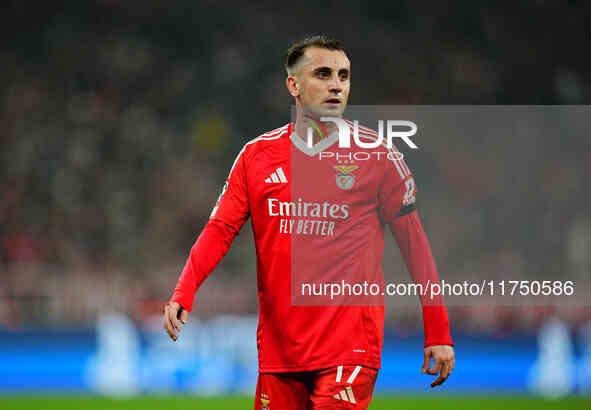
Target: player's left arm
(414, 247)
(398, 209)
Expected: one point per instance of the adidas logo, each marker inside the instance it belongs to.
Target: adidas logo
(277, 177)
(346, 395)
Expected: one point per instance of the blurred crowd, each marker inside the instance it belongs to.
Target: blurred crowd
(120, 120)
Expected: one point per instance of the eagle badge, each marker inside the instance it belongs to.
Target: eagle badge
(345, 178)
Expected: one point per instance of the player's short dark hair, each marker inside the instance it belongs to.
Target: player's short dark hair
(297, 49)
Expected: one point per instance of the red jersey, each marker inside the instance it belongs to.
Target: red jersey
(318, 215)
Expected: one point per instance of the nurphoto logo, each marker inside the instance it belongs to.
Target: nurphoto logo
(344, 131)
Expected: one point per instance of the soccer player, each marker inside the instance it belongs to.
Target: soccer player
(312, 225)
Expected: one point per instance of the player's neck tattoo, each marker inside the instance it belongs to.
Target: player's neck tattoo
(316, 130)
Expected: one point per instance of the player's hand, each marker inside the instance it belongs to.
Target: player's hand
(174, 315)
(443, 362)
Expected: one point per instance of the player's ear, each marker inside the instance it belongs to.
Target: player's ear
(292, 85)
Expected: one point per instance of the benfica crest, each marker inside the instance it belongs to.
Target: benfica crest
(345, 180)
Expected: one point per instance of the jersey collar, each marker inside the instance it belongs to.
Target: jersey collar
(320, 146)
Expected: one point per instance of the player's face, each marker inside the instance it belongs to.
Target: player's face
(321, 82)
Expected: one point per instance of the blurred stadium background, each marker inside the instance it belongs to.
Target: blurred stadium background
(119, 120)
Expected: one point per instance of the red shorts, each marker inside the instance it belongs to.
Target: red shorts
(340, 387)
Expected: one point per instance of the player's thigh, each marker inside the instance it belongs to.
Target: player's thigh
(282, 391)
(343, 387)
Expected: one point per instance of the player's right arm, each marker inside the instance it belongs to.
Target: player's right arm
(225, 222)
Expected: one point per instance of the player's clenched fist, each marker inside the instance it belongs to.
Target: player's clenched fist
(174, 315)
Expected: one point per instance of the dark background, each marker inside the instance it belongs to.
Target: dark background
(119, 121)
